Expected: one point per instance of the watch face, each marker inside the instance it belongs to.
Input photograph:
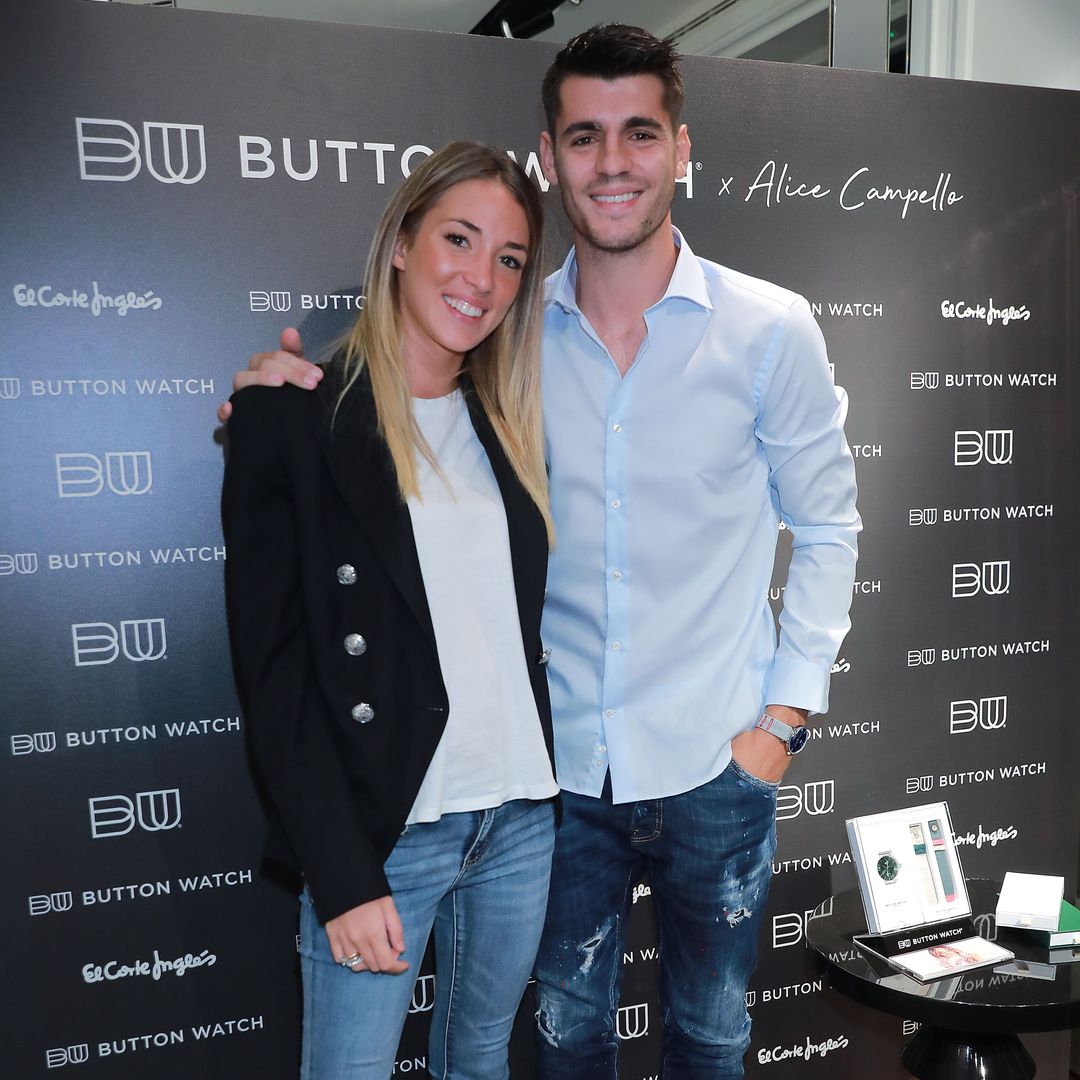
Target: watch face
(887, 867)
(798, 739)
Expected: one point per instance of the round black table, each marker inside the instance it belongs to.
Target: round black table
(969, 1021)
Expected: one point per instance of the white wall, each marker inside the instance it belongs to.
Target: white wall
(1036, 43)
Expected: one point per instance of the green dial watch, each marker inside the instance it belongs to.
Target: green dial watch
(888, 867)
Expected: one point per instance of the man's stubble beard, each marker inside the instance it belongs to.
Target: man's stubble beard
(647, 228)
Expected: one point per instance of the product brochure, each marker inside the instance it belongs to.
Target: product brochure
(940, 961)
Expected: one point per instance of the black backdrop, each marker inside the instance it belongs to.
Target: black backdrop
(178, 186)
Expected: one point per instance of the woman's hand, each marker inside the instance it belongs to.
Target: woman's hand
(372, 931)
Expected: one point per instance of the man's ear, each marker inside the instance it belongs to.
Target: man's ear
(547, 158)
(682, 151)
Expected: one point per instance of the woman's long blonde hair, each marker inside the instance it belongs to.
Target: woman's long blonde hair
(504, 368)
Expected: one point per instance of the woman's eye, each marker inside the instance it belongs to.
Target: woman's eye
(511, 261)
(457, 239)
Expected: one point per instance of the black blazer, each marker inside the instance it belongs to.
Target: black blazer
(320, 546)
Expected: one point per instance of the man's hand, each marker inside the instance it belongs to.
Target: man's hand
(373, 932)
(764, 755)
(285, 364)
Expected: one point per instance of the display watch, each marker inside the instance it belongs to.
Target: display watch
(888, 867)
(793, 738)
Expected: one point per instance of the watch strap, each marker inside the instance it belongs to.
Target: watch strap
(784, 732)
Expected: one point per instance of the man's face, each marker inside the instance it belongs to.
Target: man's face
(615, 158)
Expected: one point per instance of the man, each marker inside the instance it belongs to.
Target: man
(689, 409)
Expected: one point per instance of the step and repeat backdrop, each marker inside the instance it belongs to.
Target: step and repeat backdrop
(177, 187)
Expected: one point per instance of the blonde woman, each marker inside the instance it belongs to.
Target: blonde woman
(388, 539)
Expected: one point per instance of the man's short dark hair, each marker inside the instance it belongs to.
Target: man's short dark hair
(613, 52)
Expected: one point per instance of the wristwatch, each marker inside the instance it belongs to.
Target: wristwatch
(888, 867)
(793, 738)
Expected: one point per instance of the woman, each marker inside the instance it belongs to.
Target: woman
(388, 540)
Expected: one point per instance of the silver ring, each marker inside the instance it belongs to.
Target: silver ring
(348, 961)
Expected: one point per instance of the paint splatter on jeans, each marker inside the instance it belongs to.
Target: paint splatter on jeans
(708, 854)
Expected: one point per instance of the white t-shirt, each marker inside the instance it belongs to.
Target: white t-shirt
(493, 749)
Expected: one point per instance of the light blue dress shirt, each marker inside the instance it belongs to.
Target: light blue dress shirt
(668, 487)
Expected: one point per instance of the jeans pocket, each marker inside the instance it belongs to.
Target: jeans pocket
(753, 781)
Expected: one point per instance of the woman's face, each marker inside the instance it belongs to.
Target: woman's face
(459, 272)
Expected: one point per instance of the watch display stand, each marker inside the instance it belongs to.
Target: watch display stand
(914, 894)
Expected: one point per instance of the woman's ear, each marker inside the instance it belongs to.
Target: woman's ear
(401, 246)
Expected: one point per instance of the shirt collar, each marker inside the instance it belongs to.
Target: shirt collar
(687, 280)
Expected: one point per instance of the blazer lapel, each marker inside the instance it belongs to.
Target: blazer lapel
(364, 473)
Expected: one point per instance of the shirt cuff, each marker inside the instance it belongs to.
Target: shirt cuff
(797, 683)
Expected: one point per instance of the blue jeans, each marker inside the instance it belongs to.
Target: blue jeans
(480, 879)
(708, 853)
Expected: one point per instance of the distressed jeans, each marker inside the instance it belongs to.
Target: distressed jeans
(479, 879)
(708, 853)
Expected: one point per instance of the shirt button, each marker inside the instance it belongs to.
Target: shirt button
(602, 748)
(616, 645)
(355, 645)
(616, 427)
(617, 575)
(616, 503)
(363, 712)
(609, 713)
(346, 574)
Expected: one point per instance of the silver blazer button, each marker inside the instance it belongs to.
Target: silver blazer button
(363, 712)
(355, 645)
(545, 656)
(346, 574)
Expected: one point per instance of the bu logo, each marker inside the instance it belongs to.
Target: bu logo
(117, 815)
(988, 712)
(920, 657)
(270, 301)
(111, 150)
(972, 447)
(67, 1055)
(787, 929)
(423, 998)
(10, 388)
(751, 998)
(632, 1021)
(924, 516)
(910, 1027)
(925, 380)
(986, 926)
(991, 578)
(128, 472)
(814, 798)
(99, 643)
(46, 902)
(41, 742)
(916, 784)
(23, 563)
